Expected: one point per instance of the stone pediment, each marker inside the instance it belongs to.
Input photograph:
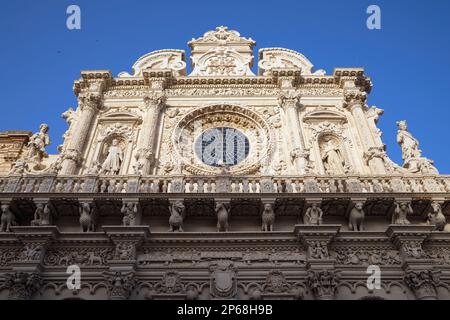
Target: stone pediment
(281, 58)
(222, 53)
(161, 59)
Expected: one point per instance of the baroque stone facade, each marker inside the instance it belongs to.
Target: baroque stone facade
(221, 183)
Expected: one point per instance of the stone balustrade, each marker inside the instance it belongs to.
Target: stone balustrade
(224, 184)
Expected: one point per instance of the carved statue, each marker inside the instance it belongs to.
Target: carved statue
(356, 219)
(177, 214)
(37, 144)
(401, 212)
(113, 161)
(436, 217)
(87, 217)
(222, 217)
(7, 219)
(411, 154)
(129, 211)
(42, 215)
(268, 218)
(332, 158)
(313, 215)
(409, 145)
(19, 167)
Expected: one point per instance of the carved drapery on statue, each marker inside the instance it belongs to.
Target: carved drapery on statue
(411, 154)
(114, 157)
(332, 156)
(36, 148)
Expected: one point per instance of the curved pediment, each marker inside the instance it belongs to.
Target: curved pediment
(161, 59)
(281, 58)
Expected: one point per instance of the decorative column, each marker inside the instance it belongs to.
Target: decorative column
(89, 102)
(322, 277)
(153, 105)
(354, 102)
(419, 274)
(120, 277)
(25, 279)
(289, 101)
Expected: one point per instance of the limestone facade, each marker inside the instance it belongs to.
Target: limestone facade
(221, 183)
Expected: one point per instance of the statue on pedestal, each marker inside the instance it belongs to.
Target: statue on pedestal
(36, 146)
(411, 154)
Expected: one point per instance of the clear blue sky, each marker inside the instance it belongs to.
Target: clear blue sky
(408, 59)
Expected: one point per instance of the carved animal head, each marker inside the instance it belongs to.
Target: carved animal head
(359, 206)
(268, 207)
(5, 208)
(436, 207)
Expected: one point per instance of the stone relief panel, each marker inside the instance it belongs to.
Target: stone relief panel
(82, 256)
(185, 257)
(366, 255)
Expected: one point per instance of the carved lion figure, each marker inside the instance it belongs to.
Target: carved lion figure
(356, 219)
(436, 217)
(7, 219)
(268, 218)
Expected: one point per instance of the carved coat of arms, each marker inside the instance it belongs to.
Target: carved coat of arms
(223, 280)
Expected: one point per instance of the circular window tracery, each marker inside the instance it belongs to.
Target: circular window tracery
(222, 119)
(222, 146)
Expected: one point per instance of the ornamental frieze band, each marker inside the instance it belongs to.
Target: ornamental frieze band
(221, 182)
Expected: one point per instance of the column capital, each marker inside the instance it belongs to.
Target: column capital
(155, 99)
(289, 99)
(89, 100)
(354, 98)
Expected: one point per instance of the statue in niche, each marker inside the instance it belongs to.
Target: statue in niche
(37, 144)
(313, 215)
(332, 158)
(114, 160)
